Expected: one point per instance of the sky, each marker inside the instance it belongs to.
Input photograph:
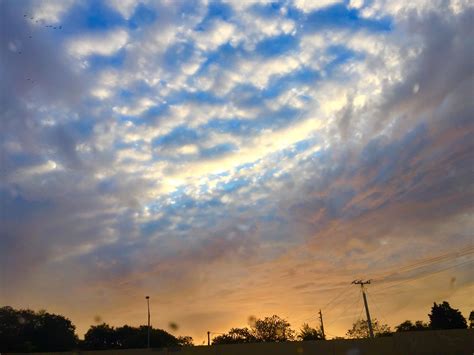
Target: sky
(233, 159)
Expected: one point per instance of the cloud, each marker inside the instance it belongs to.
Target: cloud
(254, 147)
(218, 34)
(125, 8)
(50, 11)
(104, 44)
(310, 6)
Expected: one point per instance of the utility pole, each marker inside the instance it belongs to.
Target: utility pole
(208, 338)
(322, 325)
(148, 332)
(369, 321)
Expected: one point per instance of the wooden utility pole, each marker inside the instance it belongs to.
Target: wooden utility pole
(369, 321)
(208, 337)
(322, 325)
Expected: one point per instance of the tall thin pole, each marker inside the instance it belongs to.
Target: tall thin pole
(369, 321)
(322, 325)
(148, 332)
(208, 337)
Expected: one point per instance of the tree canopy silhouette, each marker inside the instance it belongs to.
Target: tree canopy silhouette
(308, 333)
(360, 329)
(236, 336)
(100, 337)
(27, 331)
(103, 336)
(269, 329)
(409, 326)
(442, 316)
(185, 340)
(273, 329)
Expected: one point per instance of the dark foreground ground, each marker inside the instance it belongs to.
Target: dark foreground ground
(443, 342)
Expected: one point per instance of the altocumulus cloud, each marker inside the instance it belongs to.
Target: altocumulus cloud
(161, 148)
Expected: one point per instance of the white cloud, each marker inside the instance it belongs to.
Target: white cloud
(253, 29)
(101, 44)
(259, 71)
(243, 5)
(31, 172)
(124, 7)
(401, 9)
(50, 11)
(140, 106)
(312, 5)
(221, 32)
(101, 93)
(356, 4)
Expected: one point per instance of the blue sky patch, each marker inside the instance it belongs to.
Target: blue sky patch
(341, 16)
(276, 46)
(92, 16)
(142, 17)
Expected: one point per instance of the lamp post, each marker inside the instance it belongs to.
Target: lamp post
(148, 333)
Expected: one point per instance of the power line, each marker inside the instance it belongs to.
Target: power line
(344, 310)
(382, 278)
(359, 306)
(335, 298)
(351, 305)
(372, 299)
(426, 262)
(338, 297)
(360, 313)
(423, 276)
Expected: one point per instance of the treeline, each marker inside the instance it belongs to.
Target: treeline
(276, 329)
(268, 329)
(442, 316)
(103, 336)
(27, 331)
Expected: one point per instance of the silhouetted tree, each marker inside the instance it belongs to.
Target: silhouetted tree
(185, 341)
(471, 320)
(130, 337)
(236, 336)
(442, 316)
(269, 329)
(273, 329)
(308, 333)
(159, 338)
(360, 329)
(103, 336)
(29, 331)
(408, 326)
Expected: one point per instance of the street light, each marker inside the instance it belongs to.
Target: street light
(148, 333)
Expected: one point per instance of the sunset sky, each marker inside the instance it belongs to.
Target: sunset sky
(237, 158)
